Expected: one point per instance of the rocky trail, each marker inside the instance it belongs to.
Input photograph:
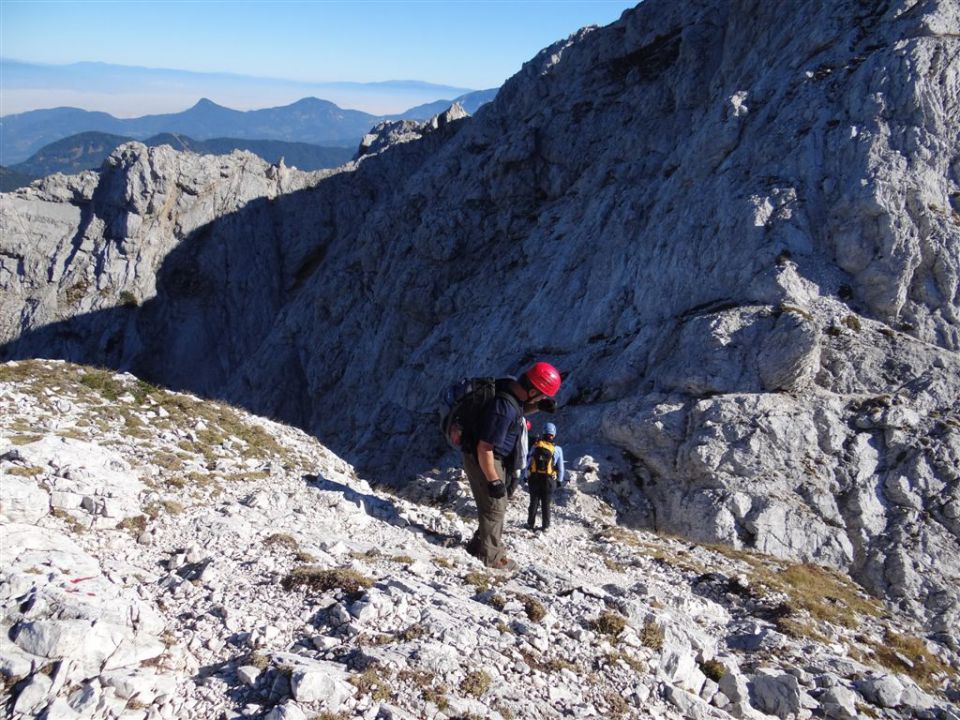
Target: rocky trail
(166, 557)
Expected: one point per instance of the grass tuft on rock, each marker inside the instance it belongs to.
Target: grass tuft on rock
(909, 655)
(813, 593)
(616, 706)
(480, 580)
(324, 579)
(532, 607)
(652, 635)
(135, 524)
(609, 623)
(24, 471)
(629, 660)
(476, 683)
(370, 683)
(281, 540)
(824, 593)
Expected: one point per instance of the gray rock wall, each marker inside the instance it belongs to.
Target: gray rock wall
(735, 224)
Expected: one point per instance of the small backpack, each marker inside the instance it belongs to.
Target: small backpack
(541, 460)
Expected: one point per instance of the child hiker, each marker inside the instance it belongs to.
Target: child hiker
(545, 473)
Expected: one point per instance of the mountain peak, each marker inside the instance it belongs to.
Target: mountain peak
(311, 102)
(207, 104)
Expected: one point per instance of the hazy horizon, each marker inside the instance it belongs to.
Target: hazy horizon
(256, 54)
(126, 91)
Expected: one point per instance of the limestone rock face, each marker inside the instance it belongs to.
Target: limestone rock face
(735, 224)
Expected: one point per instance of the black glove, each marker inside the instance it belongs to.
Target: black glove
(547, 405)
(497, 489)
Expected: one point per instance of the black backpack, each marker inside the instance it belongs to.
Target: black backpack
(462, 405)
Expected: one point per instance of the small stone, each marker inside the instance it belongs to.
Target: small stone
(248, 674)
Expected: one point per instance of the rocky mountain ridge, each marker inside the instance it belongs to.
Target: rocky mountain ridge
(735, 225)
(88, 150)
(166, 557)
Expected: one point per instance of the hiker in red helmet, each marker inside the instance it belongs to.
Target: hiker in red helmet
(498, 433)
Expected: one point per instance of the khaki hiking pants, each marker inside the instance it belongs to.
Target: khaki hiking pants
(491, 513)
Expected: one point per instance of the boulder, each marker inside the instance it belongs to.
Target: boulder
(778, 695)
(839, 703)
(884, 691)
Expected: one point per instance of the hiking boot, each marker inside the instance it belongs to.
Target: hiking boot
(504, 563)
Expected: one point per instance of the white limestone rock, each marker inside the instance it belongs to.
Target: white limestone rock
(839, 703)
(884, 691)
(22, 500)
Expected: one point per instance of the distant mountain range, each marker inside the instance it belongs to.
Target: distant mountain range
(127, 90)
(87, 151)
(310, 120)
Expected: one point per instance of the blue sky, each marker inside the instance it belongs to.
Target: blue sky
(463, 43)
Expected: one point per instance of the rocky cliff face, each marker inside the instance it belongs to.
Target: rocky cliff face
(735, 224)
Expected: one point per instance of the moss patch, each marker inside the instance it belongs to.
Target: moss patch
(713, 669)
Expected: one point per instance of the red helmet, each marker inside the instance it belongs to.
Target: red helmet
(544, 377)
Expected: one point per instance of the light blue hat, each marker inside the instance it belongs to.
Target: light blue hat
(550, 429)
